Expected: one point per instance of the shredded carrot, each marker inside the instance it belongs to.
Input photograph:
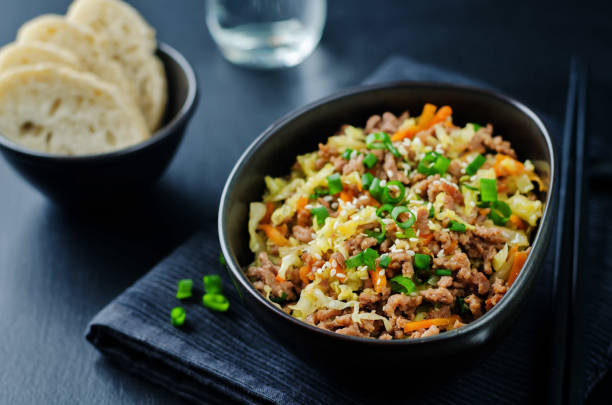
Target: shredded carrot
(506, 166)
(423, 121)
(379, 281)
(301, 203)
(427, 238)
(426, 323)
(517, 265)
(279, 278)
(274, 235)
(270, 207)
(519, 223)
(305, 273)
(346, 196)
(441, 115)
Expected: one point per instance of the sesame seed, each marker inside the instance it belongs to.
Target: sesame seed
(317, 256)
(333, 272)
(389, 173)
(413, 239)
(327, 198)
(334, 205)
(381, 273)
(383, 183)
(410, 252)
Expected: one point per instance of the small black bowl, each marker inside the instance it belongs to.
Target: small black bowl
(102, 177)
(273, 153)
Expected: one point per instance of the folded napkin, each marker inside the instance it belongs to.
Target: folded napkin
(222, 357)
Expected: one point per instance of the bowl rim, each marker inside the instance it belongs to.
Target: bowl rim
(470, 328)
(160, 134)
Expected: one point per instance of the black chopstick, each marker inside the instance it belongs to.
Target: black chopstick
(562, 248)
(575, 345)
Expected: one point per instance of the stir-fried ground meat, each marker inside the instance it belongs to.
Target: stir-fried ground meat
(400, 262)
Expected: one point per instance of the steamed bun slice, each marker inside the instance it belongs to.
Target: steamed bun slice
(58, 110)
(132, 45)
(32, 53)
(91, 48)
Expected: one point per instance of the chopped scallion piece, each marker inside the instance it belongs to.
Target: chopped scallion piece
(393, 149)
(386, 193)
(469, 187)
(426, 164)
(460, 306)
(334, 184)
(177, 316)
(408, 233)
(384, 260)
(385, 208)
(346, 155)
(222, 259)
(183, 288)
(441, 165)
(212, 284)
(375, 188)
(370, 160)
(500, 213)
(216, 302)
(422, 261)
(400, 210)
(488, 190)
(402, 285)
(377, 140)
(379, 236)
(433, 280)
(442, 272)
(320, 213)
(318, 192)
(354, 261)
(476, 127)
(366, 180)
(473, 167)
(280, 299)
(369, 258)
(431, 211)
(456, 226)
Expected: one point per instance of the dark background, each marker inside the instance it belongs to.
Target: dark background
(58, 268)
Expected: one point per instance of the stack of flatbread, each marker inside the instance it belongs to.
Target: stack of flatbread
(84, 83)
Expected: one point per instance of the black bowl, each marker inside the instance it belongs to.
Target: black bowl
(102, 177)
(274, 151)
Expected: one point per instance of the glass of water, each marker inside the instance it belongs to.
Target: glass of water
(266, 33)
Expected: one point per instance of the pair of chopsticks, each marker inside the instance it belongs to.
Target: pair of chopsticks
(566, 380)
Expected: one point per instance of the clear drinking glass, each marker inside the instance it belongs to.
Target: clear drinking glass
(266, 33)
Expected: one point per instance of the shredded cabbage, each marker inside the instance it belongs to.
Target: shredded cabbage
(352, 138)
(500, 257)
(290, 257)
(374, 317)
(279, 189)
(256, 212)
(529, 210)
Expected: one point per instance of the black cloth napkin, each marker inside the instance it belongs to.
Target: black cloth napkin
(222, 357)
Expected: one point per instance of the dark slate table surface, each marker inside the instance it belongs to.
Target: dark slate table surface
(57, 268)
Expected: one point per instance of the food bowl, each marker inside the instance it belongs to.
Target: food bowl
(273, 153)
(101, 177)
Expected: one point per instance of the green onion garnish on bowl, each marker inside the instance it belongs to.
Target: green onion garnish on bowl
(177, 316)
(212, 284)
(183, 288)
(216, 302)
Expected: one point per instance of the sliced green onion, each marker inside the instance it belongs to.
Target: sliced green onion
(375, 188)
(370, 160)
(433, 280)
(177, 316)
(334, 184)
(393, 149)
(377, 140)
(400, 210)
(476, 127)
(483, 204)
(183, 288)
(369, 258)
(384, 208)
(473, 167)
(354, 261)
(488, 190)
(500, 213)
(441, 165)
(379, 236)
(469, 187)
(212, 284)
(402, 285)
(422, 261)
(346, 155)
(442, 272)
(279, 300)
(386, 193)
(408, 233)
(460, 306)
(431, 211)
(318, 192)
(320, 214)
(384, 261)
(426, 164)
(366, 180)
(216, 302)
(456, 226)
(222, 259)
